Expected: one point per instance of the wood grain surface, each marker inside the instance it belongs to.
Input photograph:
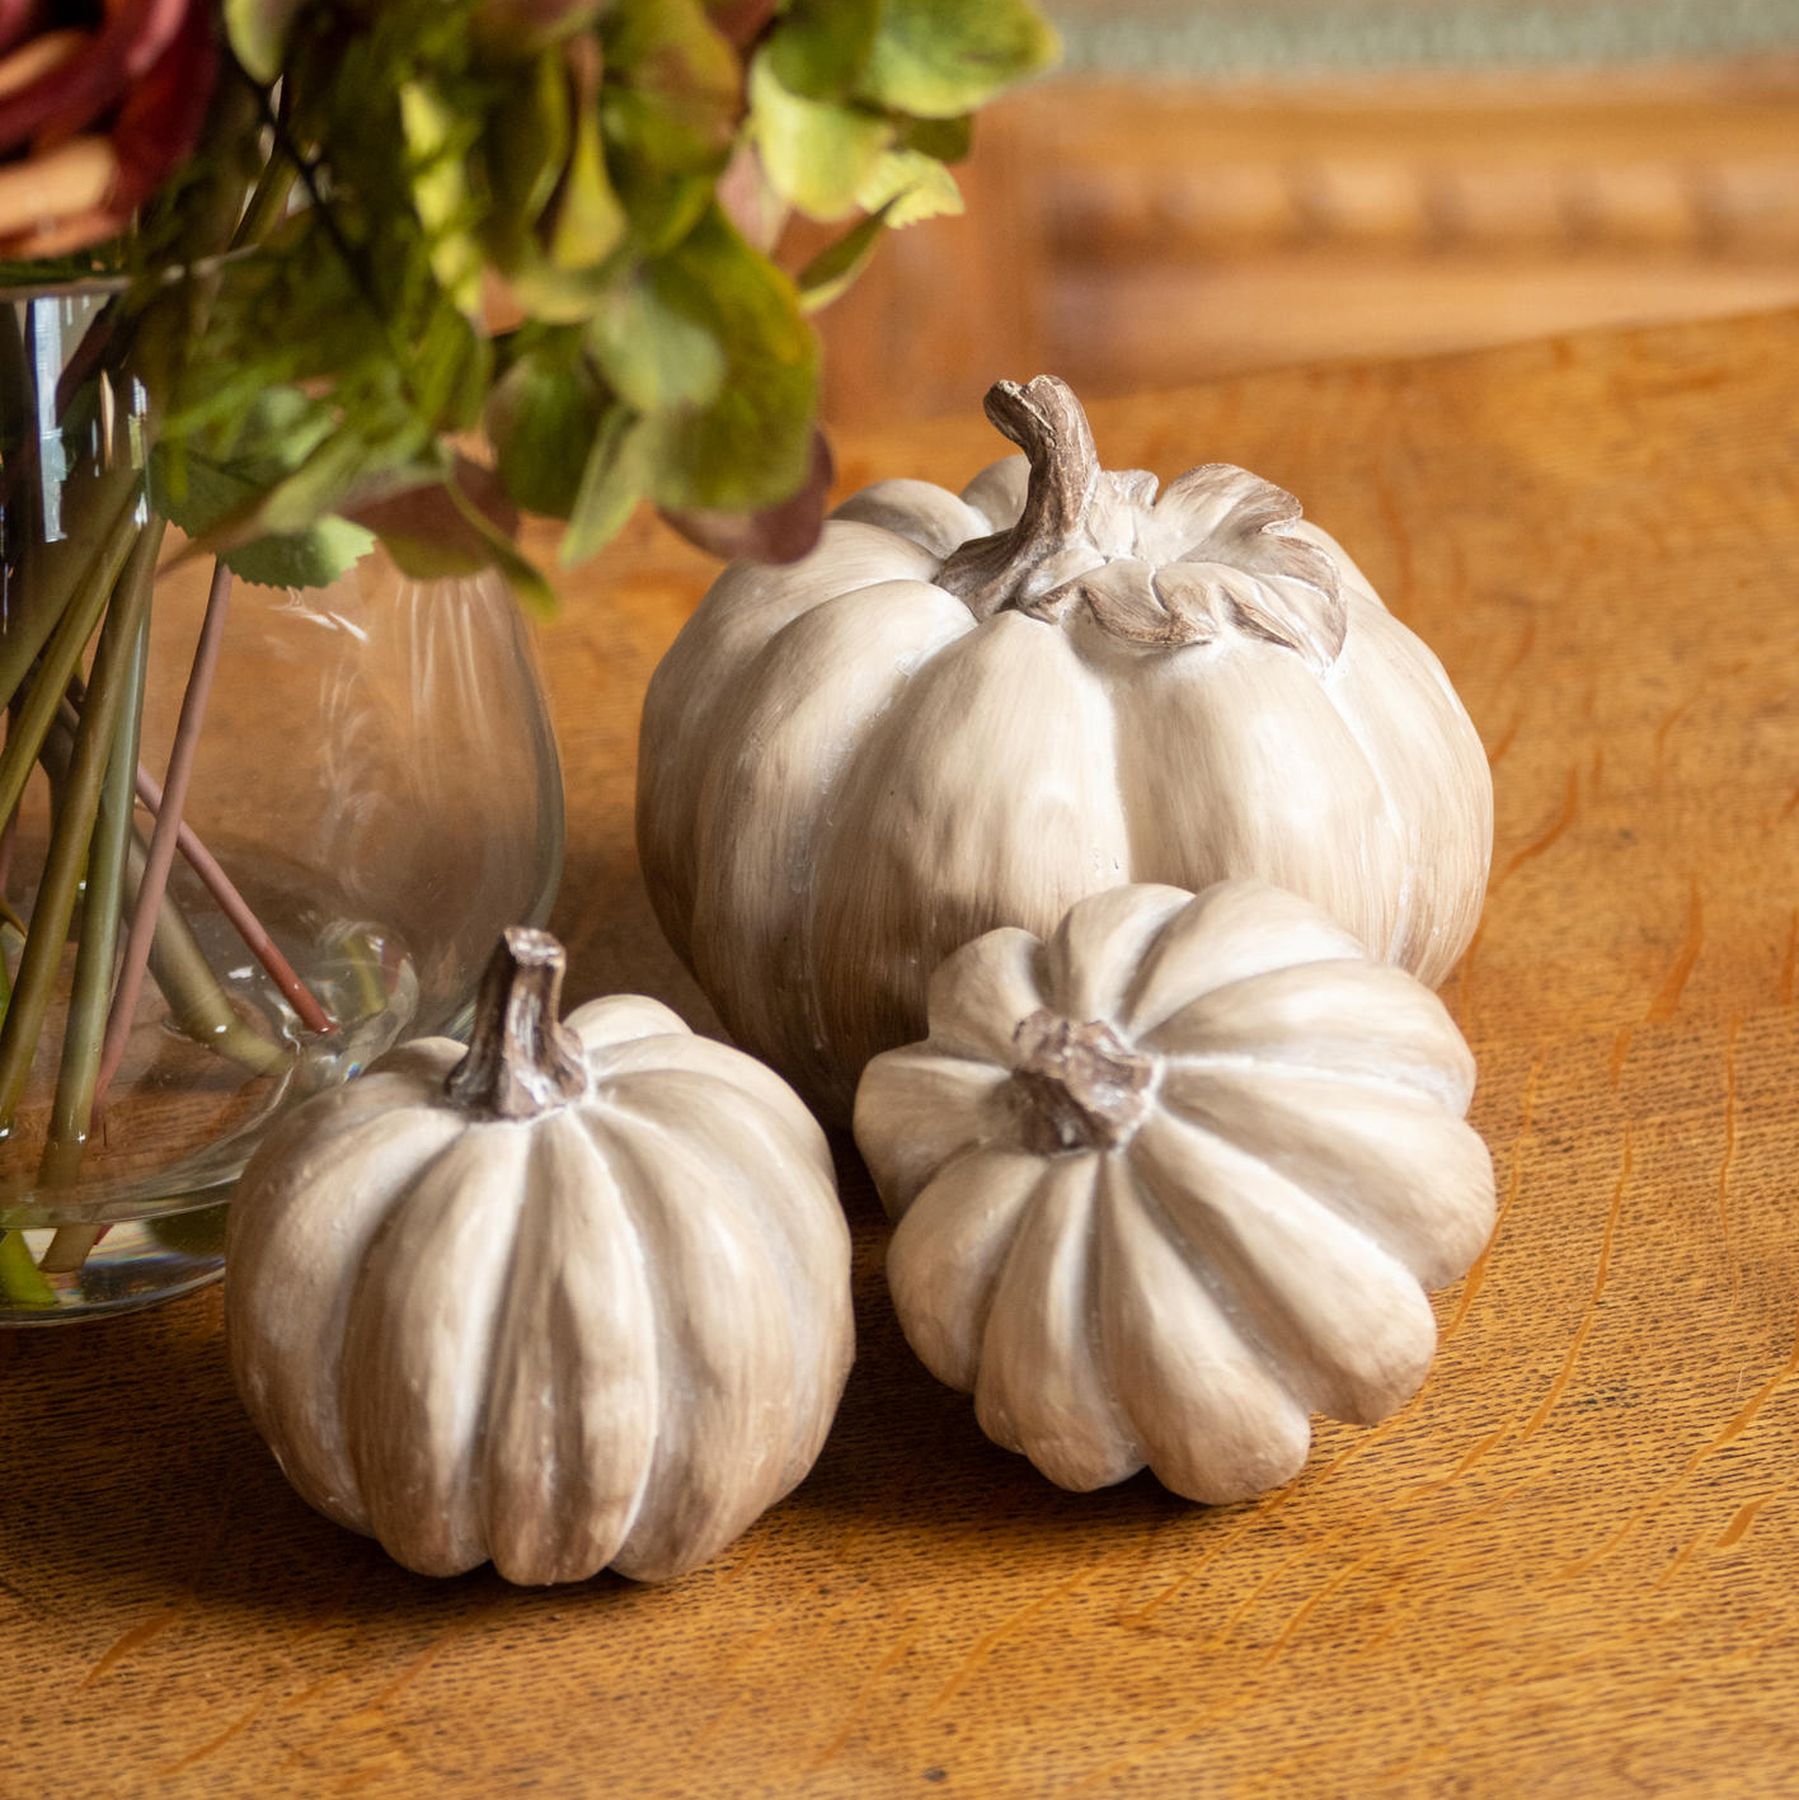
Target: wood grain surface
(1568, 1567)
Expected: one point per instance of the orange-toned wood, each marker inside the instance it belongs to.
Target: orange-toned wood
(1571, 1566)
(1134, 233)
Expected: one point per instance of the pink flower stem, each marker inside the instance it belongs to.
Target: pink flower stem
(237, 910)
(230, 902)
(164, 840)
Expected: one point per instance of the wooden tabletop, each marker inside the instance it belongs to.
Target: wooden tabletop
(1570, 1566)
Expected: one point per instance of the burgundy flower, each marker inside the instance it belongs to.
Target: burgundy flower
(98, 106)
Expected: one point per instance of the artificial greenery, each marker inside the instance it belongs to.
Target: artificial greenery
(522, 224)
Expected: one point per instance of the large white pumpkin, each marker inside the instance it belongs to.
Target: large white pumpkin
(1175, 1180)
(959, 713)
(578, 1297)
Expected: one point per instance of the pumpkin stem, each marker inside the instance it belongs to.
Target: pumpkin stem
(521, 1059)
(1083, 1087)
(1045, 420)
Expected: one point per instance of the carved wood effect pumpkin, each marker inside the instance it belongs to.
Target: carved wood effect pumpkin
(578, 1297)
(1174, 1181)
(959, 713)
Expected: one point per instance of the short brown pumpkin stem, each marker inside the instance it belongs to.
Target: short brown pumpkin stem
(1046, 421)
(521, 1059)
(1084, 1088)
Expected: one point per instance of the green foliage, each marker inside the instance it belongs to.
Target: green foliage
(552, 166)
(939, 58)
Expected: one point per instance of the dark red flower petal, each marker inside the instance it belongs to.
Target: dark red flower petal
(160, 121)
(78, 91)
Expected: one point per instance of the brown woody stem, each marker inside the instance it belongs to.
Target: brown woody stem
(1045, 420)
(1082, 1086)
(521, 1059)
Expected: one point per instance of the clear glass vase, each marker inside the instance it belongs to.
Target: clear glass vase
(374, 794)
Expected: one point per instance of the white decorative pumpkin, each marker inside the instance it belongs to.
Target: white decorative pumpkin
(1174, 1181)
(578, 1297)
(854, 763)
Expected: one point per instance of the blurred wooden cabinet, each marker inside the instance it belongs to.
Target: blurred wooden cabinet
(1139, 235)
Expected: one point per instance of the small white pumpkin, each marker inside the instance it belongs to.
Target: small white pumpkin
(1170, 1183)
(963, 713)
(577, 1297)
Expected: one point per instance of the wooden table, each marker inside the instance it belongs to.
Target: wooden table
(1569, 1567)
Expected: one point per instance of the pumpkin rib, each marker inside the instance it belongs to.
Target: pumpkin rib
(715, 1471)
(292, 1384)
(565, 1468)
(986, 799)
(1363, 1019)
(1042, 1394)
(1288, 1374)
(745, 606)
(930, 1110)
(814, 1252)
(781, 1142)
(1415, 1235)
(1399, 700)
(947, 1252)
(1269, 784)
(762, 812)
(930, 509)
(1182, 1347)
(1233, 933)
(730, 1068)
(1093, 955)
(419, 1463)
(1352, 1318)
(1001, 975)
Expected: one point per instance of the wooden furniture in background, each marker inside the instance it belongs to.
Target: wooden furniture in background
(1124, 234)
(1571, 1566)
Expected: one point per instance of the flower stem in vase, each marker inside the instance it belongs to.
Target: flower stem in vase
(54, 908)
(233, 907)
(61, 658)
(163, 840)
(71, 1113)
(67, 585)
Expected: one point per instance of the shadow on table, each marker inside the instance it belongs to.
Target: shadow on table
(136, 1485)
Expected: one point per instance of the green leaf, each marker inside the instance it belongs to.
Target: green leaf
(820, 46)
(196, 491)
(323, 480)
(657, 343)
(588, 220)
(257, 31)
(436, 139)
(817, 153)
(529, 587)
(610, 484)
(542, 416)
(837, 265)
(526, 145)
(910, 186)
(750, 445)
(938, 58)
(673, 86)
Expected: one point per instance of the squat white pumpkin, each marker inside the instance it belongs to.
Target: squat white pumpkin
(963, 713)
(577, 1297)
(1174, 1181)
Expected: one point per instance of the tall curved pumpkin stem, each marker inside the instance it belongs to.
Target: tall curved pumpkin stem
(521, 1059)
(1046, 421)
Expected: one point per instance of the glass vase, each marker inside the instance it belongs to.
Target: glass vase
(371, 793)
